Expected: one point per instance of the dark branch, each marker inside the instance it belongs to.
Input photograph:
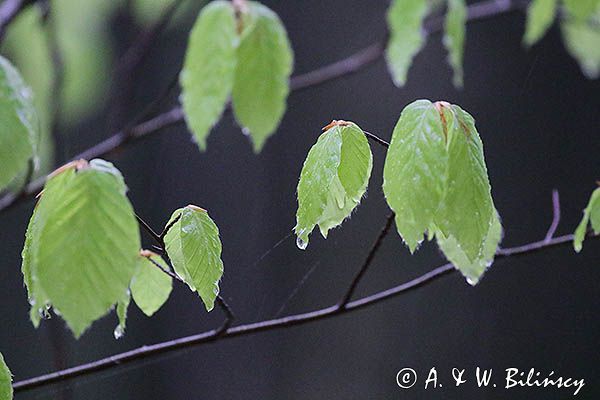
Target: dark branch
(155, 236)
(555, 215)
(297, 319)
(370, 256)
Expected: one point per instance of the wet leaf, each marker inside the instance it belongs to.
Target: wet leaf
(194, 246)
(454, 37)
(591, 214)
(6, 390)
(150, 287)
(333, 179)
(82, 244)
(540, 15)
(582, 40)
(264, 65)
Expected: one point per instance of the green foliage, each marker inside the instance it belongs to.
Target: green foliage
(540, 15)
(264, 65)
(82, 244)
(150, 287)
(194, 247)
(436, 181)
(454, 38)
(333, 179)
(249, 57)
(122, 306)
(208, 70)
(405, 25)
(6, 390)
(582, 40)
(19, 130)
(591, 214)
(581, 9)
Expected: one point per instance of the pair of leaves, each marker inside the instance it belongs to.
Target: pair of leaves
(579, 28)
(334, 178)
(407, 36)
(435, 180)
(19, 129)
(248, 57)
(82, 243)
(591, 215)
(6, 390)
(194, 248)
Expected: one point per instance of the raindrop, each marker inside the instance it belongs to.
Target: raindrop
(301, 243)
(472, 282)
(246, 131)
(119, 332)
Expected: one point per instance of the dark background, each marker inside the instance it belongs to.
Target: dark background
(538, 117)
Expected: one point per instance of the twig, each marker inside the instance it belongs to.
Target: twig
(229, 316)
(291, 320)
(484, 9)
(376, 139)
(166, 271)
(155, 236)
(555, 215)
(370, 256)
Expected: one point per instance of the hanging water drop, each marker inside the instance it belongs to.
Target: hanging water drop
(472, 281)
(119, 332)
(301, 243)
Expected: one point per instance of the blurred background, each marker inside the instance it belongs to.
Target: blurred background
(538, 117)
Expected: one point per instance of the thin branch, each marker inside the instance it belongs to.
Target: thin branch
(168, 228)
(166, 271)
(155, 236)
(229, 316)
(376, 139)
(284, 322)
(370, 256)
(346, 66)
(555, 215)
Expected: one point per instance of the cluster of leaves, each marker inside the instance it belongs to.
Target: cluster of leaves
(242, 51)
(580, 21)
(82, 250)
(435, 180)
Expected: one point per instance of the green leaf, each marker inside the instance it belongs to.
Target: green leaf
(150, 287)
(540, 15)
(581, 9)
(414, 173)
(6, 390)
(405, 24)
(582, 40)
(194, 247)
(208, 70)
(473, 270)
(264, 65)
(122, 306)
(19, 128)
(467, 209)
(334, 178)
(590, 214)
(454, 37)
(82, 244)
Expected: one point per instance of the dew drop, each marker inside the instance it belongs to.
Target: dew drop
(246, 131)
(44, 313)
(119, 332)
(301, 243)
(472, 282)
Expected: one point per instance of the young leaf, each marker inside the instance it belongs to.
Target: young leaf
(19, 128)
(194, 247)
(581, 9)
(590, 214)
(82, 244)
(540, 15)
(454, 37)
(6, 390)
(333, 179)
(467, 209)
(582, 40)
(473, 270)
(207, 74)
(150, 287)
(414, 173)
(264, 65)
(405, 24)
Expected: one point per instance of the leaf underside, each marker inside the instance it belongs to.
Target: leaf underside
(151, 287)
(591, 215)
